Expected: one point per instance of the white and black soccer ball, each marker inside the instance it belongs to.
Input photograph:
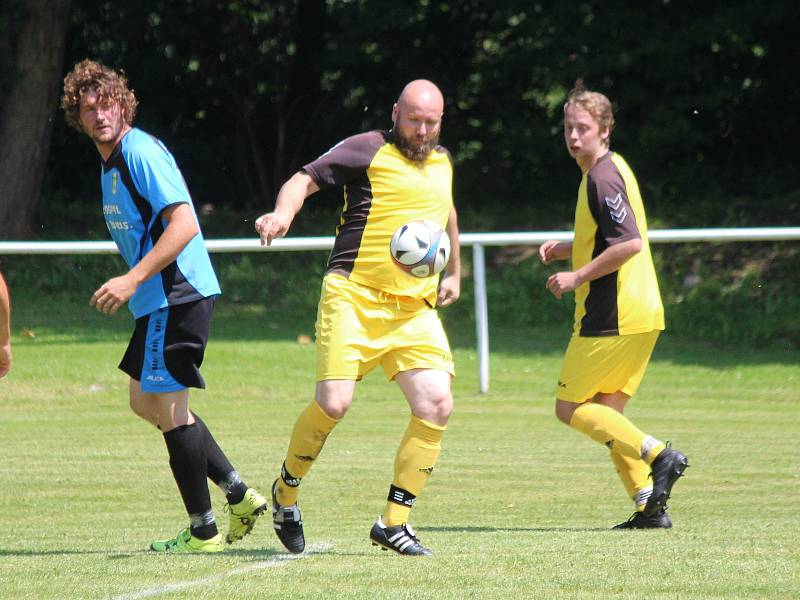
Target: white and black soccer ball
(420, 248)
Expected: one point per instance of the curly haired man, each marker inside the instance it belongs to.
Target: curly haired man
(170, 288)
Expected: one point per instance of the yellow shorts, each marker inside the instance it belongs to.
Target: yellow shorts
(604, 364)
(359, 328)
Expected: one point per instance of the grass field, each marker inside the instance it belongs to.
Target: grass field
(519, 507)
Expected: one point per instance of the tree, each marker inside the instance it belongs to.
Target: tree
(244, 93)
(31, 47)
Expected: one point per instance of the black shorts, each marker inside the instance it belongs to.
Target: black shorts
(167, 347)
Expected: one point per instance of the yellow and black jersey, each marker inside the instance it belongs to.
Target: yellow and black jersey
(382, 191)
(610, 211)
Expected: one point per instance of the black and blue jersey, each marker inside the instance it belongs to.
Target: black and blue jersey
(139, 180)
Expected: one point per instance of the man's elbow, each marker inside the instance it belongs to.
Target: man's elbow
(188, 226)
(635, 246)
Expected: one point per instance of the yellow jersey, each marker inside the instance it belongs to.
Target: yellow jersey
(383, 190)
(610, 211)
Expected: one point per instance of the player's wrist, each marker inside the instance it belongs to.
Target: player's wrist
(134, 278)
(285, 215)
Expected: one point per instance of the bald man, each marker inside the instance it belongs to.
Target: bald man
(372, 313)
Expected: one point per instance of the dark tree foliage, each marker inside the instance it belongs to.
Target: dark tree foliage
(245, 92)
(31, 51)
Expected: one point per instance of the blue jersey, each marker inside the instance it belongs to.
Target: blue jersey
(139, 180)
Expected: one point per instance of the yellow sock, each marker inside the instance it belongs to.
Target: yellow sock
(413, 465)
(635, 476)
(612, 428)
(308, 436)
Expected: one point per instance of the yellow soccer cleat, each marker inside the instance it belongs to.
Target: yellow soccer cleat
(186, 542)
(243, 515)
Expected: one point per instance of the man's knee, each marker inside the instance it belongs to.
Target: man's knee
(436, 406)
(565, 410)
(144, 408)
(443, 404)
(334, 398)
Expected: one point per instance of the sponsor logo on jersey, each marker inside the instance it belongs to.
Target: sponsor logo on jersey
(118, 225)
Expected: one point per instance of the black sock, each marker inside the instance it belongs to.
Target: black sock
(220, 469)
(187, 459)
(201, 528)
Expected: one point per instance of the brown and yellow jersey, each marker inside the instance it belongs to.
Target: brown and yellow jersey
(610, 211)
(382, 191)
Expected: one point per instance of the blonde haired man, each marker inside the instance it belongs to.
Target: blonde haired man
(618, 311)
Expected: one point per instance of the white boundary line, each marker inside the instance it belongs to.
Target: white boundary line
(169, 588)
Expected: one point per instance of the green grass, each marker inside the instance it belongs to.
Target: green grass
(519, 505)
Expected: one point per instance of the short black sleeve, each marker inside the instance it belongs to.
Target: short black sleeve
(608, 201)
(347, 160)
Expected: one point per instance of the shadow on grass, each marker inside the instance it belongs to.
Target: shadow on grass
(68, 322)
(252, 554)
(548, 340)
(473, 529)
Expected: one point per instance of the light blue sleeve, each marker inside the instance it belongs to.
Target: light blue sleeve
(155, 174)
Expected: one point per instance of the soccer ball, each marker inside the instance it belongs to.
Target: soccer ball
(420, 248)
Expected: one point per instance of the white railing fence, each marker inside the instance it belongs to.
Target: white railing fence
(478, 241)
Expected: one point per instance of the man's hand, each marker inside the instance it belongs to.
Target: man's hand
(113, 294)
(5, 358)
(552, 250)
(563, 282)
(449, 290)
(272, 225)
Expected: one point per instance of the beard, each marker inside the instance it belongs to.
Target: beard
(112, 133)
(412, 151)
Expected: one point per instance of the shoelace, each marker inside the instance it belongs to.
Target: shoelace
(410, 531)
(226, 508)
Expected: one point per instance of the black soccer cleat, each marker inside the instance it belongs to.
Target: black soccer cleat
(638, 520)
(668, 466)
(288, 524)
(401, 539)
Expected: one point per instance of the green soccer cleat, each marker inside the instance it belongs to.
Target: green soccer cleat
(243, 515)
(186, 542)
